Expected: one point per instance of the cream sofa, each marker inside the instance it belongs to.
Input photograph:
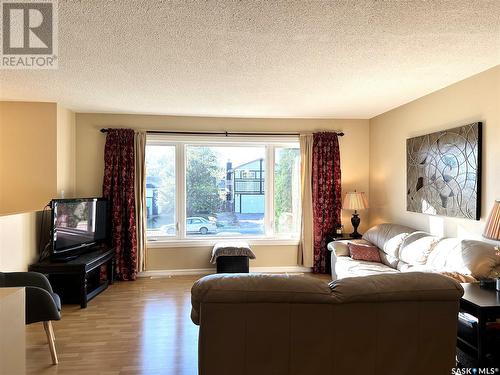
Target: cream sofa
(262, 324)
(404, 249)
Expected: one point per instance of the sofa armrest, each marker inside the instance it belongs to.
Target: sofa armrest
(340, 248)
(257, 288)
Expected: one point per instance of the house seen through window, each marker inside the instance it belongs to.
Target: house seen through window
(204, 189)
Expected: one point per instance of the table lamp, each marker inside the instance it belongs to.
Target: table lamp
(355, 201)
(492, 232)
(492, 229)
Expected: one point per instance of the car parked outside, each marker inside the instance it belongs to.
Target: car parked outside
(195, 224)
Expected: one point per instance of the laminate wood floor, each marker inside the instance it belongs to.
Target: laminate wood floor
(139, 327)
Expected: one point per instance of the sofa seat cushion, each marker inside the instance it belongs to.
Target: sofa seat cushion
(348, 267)
(459, 277)
(406, 267)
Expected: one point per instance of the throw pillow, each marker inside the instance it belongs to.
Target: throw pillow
(364, 252)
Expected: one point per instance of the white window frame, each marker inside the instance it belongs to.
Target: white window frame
(181, 238)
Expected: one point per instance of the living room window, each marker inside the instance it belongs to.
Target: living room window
(161, 190)
(286, 190)
(211, 187)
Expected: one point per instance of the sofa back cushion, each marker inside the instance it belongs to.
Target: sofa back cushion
(388, 238)
(468, 257)
(405, 249)
(416, 247)
(480, 257)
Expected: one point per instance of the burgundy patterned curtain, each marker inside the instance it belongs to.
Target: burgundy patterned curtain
(326, 194)
(119, 188)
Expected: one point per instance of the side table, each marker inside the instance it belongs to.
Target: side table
(484, 304)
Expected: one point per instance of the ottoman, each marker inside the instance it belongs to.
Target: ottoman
(232, 257)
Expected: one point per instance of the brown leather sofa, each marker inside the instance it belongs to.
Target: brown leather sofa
(392, 324)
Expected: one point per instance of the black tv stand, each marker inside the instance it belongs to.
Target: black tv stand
(78, 280)
(64, 259)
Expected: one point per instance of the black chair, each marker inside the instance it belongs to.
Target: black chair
(42, 304)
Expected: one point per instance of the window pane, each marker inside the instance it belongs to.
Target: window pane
(160, 190)
(287, 190)
(225, 190)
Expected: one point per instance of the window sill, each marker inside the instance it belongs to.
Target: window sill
(209, 242)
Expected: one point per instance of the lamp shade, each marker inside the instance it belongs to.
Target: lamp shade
(355, 201)
(492, 230)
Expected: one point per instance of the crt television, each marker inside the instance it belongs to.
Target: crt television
(77, 225)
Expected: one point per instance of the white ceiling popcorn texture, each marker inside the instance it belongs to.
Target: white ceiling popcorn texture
(341, 59)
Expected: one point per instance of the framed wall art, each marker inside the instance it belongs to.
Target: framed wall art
(443, 172)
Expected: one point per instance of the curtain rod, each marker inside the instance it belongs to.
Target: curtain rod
(227, 134)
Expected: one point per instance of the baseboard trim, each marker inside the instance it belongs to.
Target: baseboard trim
(206, 271)
(177, 272)
(283, 269)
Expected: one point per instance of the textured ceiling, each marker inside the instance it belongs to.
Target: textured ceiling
(343, 59)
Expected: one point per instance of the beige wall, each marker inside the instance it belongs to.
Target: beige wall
(37, 162)
(18, 241)
(474, 99)
(66, 152)
(27, 156)
(198, 257)
(89, 166)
